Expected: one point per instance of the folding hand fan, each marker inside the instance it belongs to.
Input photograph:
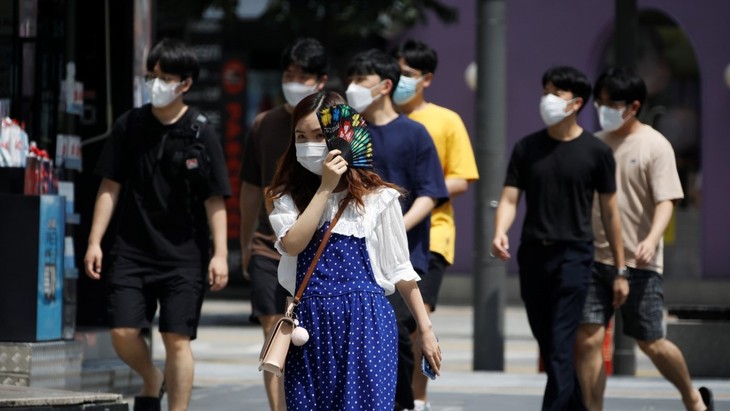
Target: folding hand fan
(345, 130)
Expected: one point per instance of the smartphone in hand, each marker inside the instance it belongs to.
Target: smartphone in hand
(426, 368)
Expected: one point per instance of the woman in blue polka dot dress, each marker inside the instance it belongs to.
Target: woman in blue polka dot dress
(349, 361)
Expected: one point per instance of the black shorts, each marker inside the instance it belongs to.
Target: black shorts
(268, 297)
(643, 311)
(430, 283)
(135, 288)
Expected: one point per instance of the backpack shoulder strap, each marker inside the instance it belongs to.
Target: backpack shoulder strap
(199, 120)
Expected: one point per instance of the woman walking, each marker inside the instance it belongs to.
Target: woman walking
(349, 361)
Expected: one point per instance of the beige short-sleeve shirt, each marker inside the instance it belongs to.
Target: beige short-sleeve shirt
(646, 174)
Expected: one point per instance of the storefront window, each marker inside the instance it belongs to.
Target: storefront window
(7, 12)
(27, 18)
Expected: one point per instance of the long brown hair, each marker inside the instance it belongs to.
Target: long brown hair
(293, 179)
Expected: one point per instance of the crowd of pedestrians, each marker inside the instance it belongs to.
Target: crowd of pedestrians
(358, 221)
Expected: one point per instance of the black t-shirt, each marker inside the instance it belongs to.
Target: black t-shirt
(162, 217)
(559, 180)
(269, 138)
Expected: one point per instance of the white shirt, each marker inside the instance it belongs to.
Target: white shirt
(380, 223)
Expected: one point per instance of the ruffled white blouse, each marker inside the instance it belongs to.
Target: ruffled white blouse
(380, 223)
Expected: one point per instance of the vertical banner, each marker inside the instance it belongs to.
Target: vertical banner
(234, 126)
(220, 93)
(50, 268)
(204, 38)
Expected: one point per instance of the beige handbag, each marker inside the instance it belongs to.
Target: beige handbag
(273, 353)
(276, 346)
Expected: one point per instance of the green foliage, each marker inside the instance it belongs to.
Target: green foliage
(344, 20)
(353, 19)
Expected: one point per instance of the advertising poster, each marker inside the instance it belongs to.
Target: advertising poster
(50, 268)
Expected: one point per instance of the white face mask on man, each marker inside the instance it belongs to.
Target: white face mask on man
(360, 97)
(611, 119)
(295, 92)
(311, 156)
(161, 92)
(552, 109)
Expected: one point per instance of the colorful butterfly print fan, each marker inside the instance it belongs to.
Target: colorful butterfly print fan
(345, 130)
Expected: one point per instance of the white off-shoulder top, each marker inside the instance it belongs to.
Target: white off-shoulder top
(380, 223)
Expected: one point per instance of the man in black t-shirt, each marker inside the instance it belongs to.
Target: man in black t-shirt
(559, 169)
(165, 169)
(304, 64)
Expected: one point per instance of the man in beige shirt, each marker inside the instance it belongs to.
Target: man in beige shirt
(647, 186)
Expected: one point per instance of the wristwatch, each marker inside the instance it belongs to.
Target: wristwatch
(623, 272)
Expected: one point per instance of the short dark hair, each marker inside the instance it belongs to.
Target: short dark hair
(621, 84)
(175, 58)
(308, 54)
(569, 79)
(377, 62)
(418, 55)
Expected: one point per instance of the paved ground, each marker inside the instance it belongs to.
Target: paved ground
(227, 378)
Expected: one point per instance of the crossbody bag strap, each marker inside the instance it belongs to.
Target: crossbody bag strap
(313, 264)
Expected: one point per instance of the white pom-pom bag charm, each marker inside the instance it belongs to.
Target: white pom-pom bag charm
(300, 335)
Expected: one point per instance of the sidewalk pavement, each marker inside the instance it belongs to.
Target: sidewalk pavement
(227, 378)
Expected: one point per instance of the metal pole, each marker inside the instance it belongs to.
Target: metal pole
(489, 273)
(625, 37)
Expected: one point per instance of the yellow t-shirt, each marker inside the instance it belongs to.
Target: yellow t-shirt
(646, 173)
(457, 161)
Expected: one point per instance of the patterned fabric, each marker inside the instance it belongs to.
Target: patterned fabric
(345, 130)
(643, 311)
(380, 223)
(349, 362)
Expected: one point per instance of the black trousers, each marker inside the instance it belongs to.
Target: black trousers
(554, 280)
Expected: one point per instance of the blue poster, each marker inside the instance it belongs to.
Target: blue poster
(50, 268)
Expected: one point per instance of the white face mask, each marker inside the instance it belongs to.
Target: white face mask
(295, 92)
(611, 119)
(360, 97)
(161, 92)
(311, 156)
(405, 91)
(552, 109)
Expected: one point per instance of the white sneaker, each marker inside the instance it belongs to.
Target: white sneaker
(421, 405)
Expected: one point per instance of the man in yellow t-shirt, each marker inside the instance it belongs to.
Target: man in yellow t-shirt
(418, 64)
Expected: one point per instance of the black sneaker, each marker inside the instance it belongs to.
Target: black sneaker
(706, 394)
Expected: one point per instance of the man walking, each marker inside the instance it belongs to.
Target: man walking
(166, 169)
(559, 169)
(647, 186)
(403, 154)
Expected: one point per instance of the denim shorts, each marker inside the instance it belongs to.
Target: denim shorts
(643, 311)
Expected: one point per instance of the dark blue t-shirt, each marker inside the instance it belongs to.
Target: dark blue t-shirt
(404, 154)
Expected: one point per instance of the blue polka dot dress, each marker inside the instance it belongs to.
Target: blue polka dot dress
(349, 362)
